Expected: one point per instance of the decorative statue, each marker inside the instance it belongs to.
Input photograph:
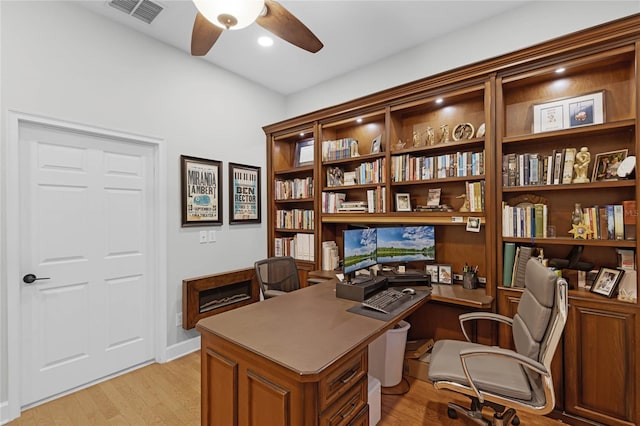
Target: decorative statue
(583, 158)
(444, 133)
(417, 141)
(430, 136)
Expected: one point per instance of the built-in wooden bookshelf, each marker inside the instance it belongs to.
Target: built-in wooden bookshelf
(596, 372)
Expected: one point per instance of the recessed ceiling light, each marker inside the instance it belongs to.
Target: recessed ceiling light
(301, 133)
(265, 41)
(560, 70)
(359, 120)
(439, 100)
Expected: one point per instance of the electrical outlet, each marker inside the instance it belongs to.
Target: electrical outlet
(212, 236)
(482, 280)
(457, 277)
(178, 319)
(203, 237)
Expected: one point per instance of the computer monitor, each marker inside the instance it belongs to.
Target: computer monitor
(403, 244)
(359, 249)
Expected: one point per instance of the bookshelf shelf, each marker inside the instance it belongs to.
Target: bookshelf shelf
(438, 181)
(571, 242)
(608, 185)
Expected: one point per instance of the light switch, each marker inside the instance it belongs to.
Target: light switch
(212, 236)
(203, 237)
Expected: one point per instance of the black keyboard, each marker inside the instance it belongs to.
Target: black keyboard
(381, 300)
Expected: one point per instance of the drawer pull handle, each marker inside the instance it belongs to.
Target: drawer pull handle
(352, 406)
(349, 375)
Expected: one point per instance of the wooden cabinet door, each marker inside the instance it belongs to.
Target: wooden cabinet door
(600, 378)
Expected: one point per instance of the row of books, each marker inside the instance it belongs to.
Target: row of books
(611, 222)
(334, 202)
(294, 219)
(339, 149)
(365, 173)
(525, 222)
(460, 164)
(474, 192)
(608, 222)
(330, 256)
(300, 246)
(537, 169)
(292, 189)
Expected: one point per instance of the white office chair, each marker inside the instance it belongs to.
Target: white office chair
(500, 378)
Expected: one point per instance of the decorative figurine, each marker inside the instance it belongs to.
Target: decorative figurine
(444, 133)
(430, 137)
(465, 203)
(417, 140)
(583, 158)
(399, 145)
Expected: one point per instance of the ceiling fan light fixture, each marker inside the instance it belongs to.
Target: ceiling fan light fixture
(230, 14)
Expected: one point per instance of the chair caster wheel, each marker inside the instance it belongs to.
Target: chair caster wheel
(452, 413)
(515, 421)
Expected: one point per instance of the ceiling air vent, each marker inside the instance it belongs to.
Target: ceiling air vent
(144, 10)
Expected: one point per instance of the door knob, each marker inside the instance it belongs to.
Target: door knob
(30, 278)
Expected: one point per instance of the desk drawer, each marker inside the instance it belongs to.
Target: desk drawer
(340, 378)
(348, 407)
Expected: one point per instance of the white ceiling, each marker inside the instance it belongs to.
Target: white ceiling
(354, 33)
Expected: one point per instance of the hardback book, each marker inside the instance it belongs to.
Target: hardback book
(520, 266)
(569, 160)
(558, 163)
(629, 219)
(507, 264)
(618, 222)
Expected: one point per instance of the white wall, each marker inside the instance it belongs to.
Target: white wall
(527, 25)
(61, 61)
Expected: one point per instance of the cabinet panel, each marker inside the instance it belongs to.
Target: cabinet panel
(267, 400)
(222, 385)
(600, 363)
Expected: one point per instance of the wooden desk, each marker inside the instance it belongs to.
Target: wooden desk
(296, 359)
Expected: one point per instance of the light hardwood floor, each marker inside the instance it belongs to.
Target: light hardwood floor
(169, 394)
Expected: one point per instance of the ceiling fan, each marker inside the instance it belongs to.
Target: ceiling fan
(214, 16)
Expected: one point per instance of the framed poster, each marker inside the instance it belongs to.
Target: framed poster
(244, 194)
(201, 183)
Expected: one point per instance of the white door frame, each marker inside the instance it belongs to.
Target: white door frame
(158, 255)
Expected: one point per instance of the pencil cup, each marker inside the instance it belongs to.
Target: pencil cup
(470, 280)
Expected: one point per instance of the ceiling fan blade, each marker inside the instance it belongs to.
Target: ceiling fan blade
(282, 23)
(204, 36)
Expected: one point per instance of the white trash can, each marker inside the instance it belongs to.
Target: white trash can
(386, 355)
(375, 402)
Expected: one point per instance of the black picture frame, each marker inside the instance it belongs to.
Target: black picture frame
(304, 153)
(201, 191)
(244, 194)
(607, 281)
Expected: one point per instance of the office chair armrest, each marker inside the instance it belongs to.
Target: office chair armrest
(482, 315)
(499, 352)
(273, 293)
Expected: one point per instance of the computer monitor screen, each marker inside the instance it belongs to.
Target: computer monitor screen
(359, 249)
(402, 244)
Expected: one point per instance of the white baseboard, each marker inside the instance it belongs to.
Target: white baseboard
(181, 349)
(4, 412)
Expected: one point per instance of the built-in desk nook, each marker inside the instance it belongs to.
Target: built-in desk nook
(296, 359)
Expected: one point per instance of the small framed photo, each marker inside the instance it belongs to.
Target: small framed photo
(548, 117)
(586, 109)
(444, 274)
(244, 194)
(403, 202)
(201, 188)
(433, 197)
(605, 166)
(304, 153)
(432, 270)
(607, 281)
(473, 224)
(376, 145)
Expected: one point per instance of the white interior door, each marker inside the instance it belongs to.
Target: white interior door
(85, 199)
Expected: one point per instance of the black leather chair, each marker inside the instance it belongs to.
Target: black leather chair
(277, 275)
(499, 378)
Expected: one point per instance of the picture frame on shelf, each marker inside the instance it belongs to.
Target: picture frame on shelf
(304, 153)
(201, 191)
(244, 194)
(568, 113)
(403, 202)
(605, 165)
(463, 131)
(376, 145)
(548, 117)
(432, 271)
(586, 109)
(433, 197)
(607, 281)
(444, 274)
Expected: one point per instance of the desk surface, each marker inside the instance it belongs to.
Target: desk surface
(454, 294)
(305, 330)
